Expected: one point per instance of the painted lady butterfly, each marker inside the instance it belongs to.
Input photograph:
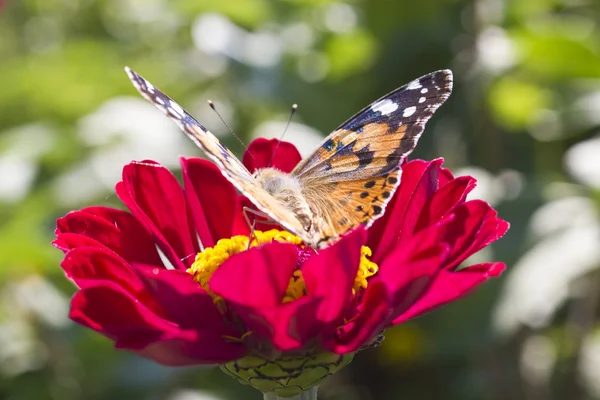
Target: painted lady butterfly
(349, 178)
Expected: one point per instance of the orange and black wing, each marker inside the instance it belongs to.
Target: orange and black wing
(351, 177)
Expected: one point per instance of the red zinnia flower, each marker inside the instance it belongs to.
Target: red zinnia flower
(277, 301)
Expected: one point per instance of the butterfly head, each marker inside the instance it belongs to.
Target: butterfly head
(273, 180)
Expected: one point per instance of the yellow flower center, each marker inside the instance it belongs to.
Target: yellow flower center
(210, 259)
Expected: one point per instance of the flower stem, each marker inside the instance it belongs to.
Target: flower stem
(310, 394)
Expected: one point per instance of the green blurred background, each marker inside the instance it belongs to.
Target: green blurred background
(524, 120)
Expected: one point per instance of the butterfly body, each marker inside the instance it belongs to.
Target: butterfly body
(347, 181)
(287, 190)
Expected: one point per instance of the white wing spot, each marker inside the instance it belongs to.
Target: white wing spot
(424, 90)
(414, 85)
(176, 108)
(409, 111)
(149, 86)
(385, 106)
(422, 100)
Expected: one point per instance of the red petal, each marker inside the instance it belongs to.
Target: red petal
(183, 299)
(155, 198)
(258, 277)
(475, 225)
(418, 182)
(86, 266)
(253, 284)
(110, 310)
(330, 275)
(212, 199)
(409, 270)
(115, 229)
(444, 200)
(374, 312)
(193, 348)
(84, 223)
(260, 155)
(240, 225)
(445, 176)
(402, 279)
(287, 326)
(422, 193)
(449, 286)
(69, 241)
(90, 264)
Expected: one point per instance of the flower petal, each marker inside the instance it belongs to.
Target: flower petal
(192, 348)
(475, 224)
(69, 241)
(212, 199)
(115, 229)
(409, 271)
(264, 153)
(287, 326)
(404, 276)
(418, 182)
(84, 264)
(444, 200)
(422, 193)
(445, 176)
(253, 284)
(374, 311)
(107, 308)
(449, 286)
(155, 198)
(183, 299)
(330, 275)
(258, 277)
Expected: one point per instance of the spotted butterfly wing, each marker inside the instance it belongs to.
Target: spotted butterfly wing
(227, 162)
(349, 180)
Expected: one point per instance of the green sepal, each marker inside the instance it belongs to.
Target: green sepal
(286, 376)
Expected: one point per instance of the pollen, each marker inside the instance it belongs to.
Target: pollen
(366, 270)
(209, 260)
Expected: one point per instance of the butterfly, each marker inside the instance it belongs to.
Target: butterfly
(347, 181)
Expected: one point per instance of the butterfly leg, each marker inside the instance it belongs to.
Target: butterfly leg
(247, 211)
(251, 233)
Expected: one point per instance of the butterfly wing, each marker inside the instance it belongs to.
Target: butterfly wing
(227, 162)
(358, 165)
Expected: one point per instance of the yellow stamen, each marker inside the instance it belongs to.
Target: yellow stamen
(296, 287)
(366, 270)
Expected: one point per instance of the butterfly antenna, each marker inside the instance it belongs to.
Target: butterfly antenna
(212, 105)
(292, 112)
